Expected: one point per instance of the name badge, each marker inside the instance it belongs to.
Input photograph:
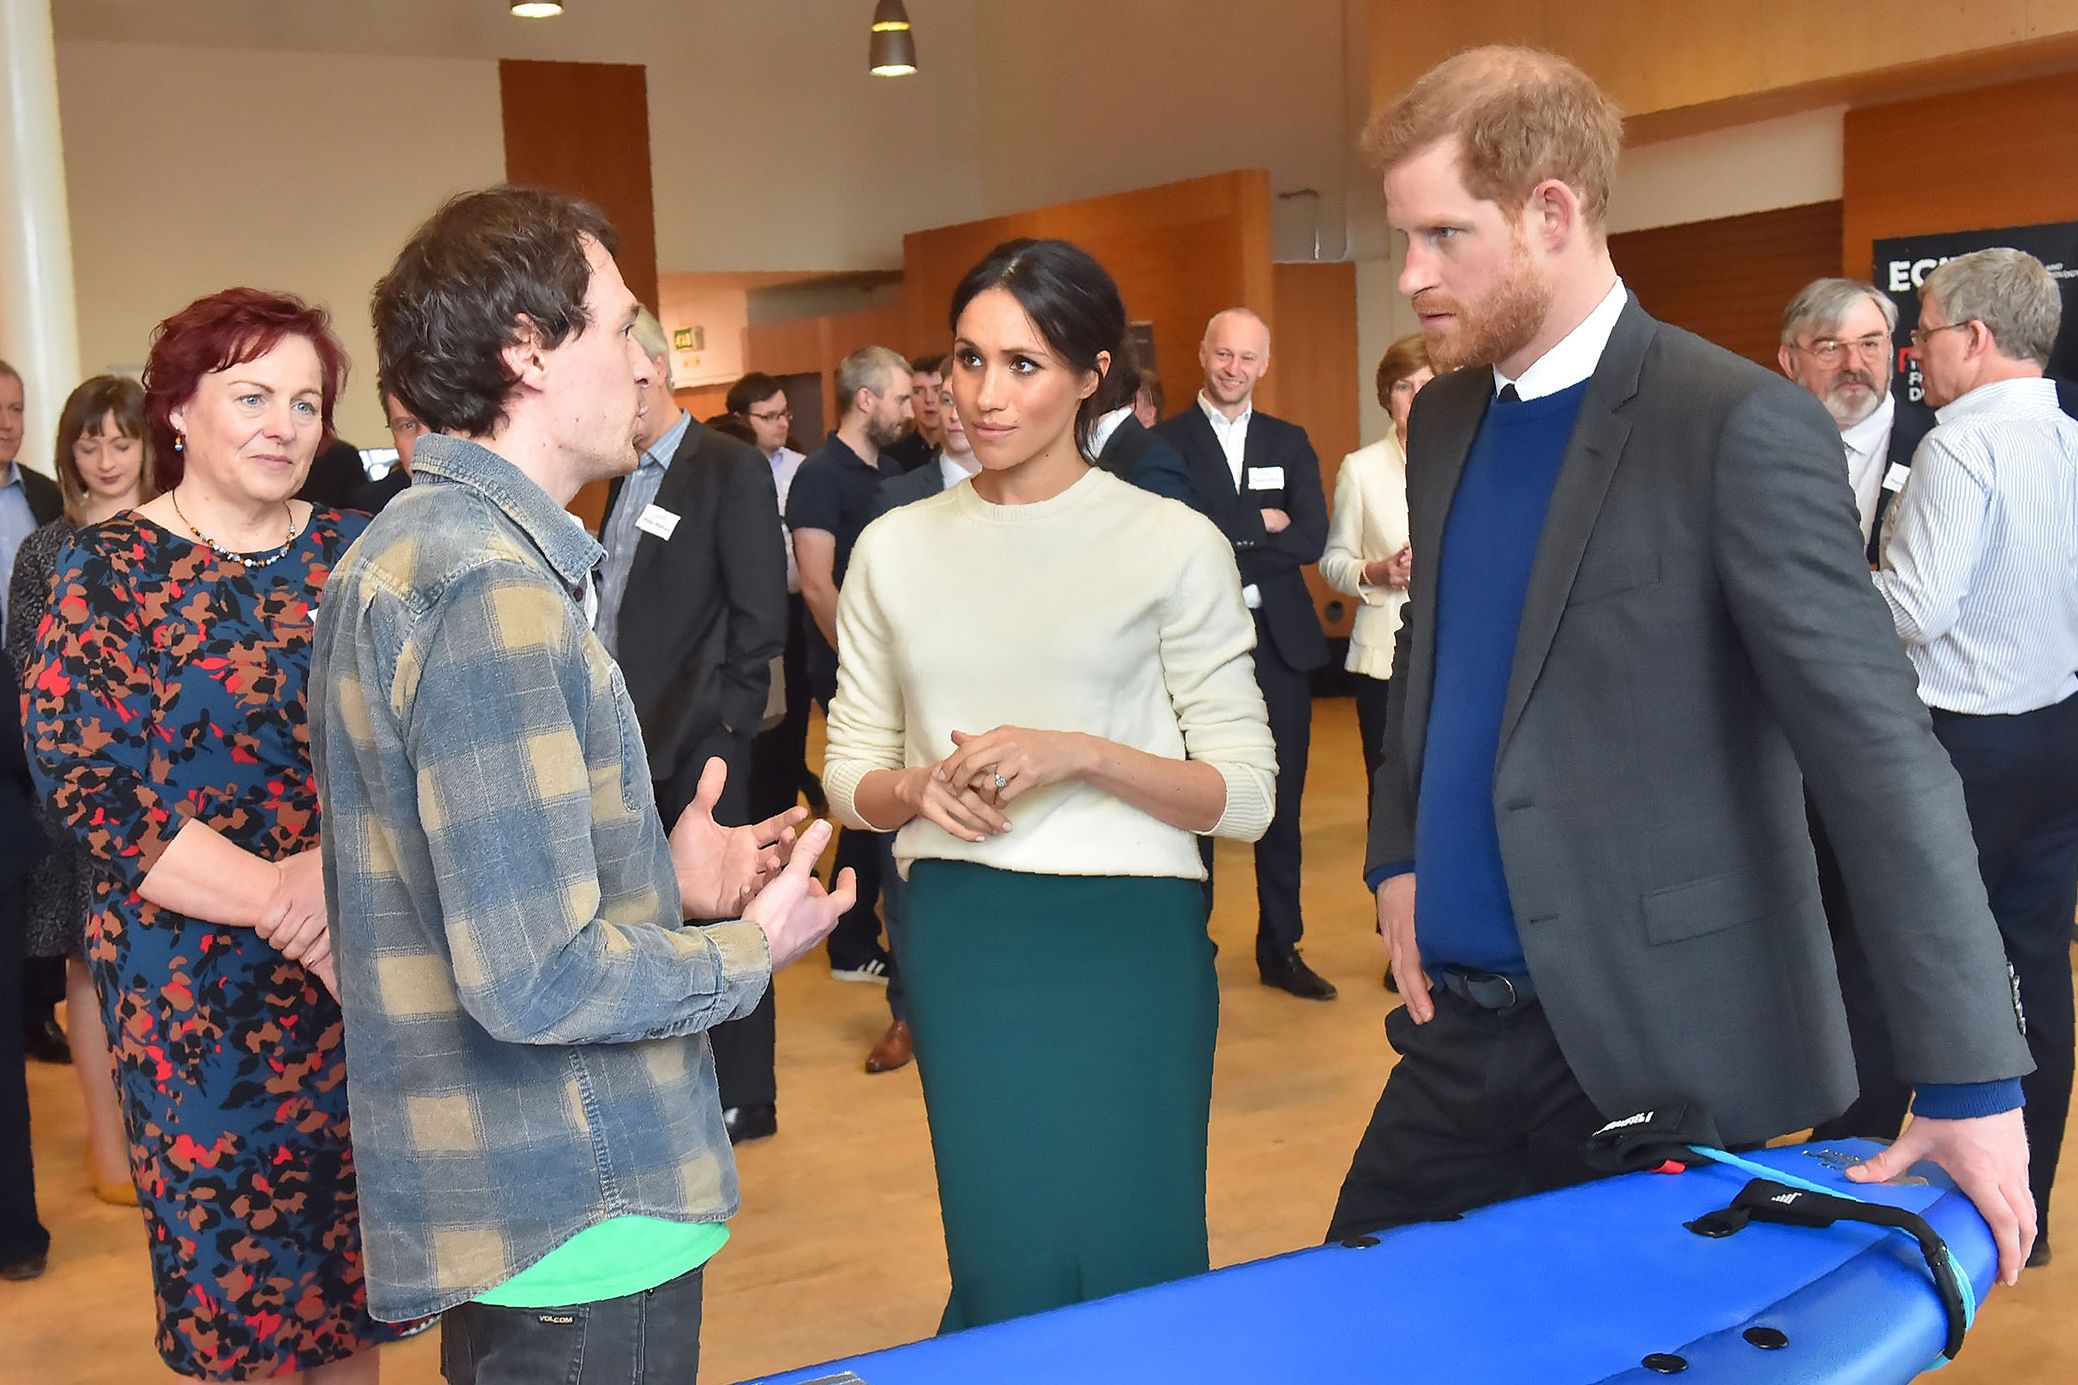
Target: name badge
(658, 521)
(1266, 478)
(1895, 478)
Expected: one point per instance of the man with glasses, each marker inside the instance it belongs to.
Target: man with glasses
(1837, 343)
(1977, 570)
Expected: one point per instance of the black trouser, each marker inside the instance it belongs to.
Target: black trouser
(2020, 784)
(1370, 728)
(779, 757)
(743, 1048)
(651, 1338)
(1878, 1113)
(21, 1233)
(1288, 692)
(1482, 1107)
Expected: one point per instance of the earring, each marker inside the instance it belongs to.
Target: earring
(180, 442)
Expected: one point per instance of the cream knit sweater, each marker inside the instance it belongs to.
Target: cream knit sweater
(1105, 610)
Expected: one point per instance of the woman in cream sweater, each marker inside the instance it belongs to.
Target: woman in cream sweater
(1044, 685)
(1367, 555)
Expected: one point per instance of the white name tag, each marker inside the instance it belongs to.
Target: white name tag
(1895, 478)
(1266, 478)
(658, 521)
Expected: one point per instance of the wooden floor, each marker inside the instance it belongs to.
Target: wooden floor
(839, 1249)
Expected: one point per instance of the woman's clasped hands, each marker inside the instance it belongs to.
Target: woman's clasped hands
(967, 791)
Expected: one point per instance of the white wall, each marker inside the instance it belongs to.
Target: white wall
(190, 170)
(1107, 97)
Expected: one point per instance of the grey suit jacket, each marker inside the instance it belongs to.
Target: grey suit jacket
(1700, 641)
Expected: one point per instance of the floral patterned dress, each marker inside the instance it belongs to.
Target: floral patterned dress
(169, 684)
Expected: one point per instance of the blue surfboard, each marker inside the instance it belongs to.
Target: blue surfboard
(1600, 1283)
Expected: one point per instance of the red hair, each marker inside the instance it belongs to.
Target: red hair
(216, 333)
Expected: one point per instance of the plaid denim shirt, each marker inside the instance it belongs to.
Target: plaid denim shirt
(525, 1012)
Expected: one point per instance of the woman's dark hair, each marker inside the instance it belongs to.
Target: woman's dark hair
(216, 333)
(754, 388)
(116, 397)
(1075, 304)
(453, 301)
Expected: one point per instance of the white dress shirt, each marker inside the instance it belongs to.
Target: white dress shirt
(1575, 356)
(953, 471)
(1231, 432)
(785, 462)
(1868, 446)
(1100, 436)
(1981, 567)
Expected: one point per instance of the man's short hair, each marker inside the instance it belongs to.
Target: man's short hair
(932, 364)
(868, 368)
(10, 372)
(1823, 304)
(1519, 116)
(1212, 323)
(649, 335)
(453, 301)
(754, 388)
(2010, 291)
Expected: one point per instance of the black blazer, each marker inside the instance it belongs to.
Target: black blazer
(46, 501)
(1699, 644)
(906, 486)
(1270, 562)
(1133, 453)
(1910, 423)
(22, 843)
(704, 612)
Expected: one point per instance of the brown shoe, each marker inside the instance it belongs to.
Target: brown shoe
(894, 1050)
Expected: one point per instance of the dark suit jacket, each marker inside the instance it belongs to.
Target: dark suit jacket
(1701, 641)
(905, 486)
(1270, 562)
(1910, 423)
(704, 612)
(1133, 453)
(22, 843)
(46, 501)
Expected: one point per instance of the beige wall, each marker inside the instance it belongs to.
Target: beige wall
(190, 170)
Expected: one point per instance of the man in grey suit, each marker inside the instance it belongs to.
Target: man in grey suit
(1640, 623)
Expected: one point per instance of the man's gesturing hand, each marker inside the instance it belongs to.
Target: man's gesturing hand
(720, 868)
(794, 909)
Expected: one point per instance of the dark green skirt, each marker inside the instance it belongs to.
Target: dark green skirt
(1064, 1031)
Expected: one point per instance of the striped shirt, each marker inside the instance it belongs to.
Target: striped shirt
(524, 1004)
(1981, 569)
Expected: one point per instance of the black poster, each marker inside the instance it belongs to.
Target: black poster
(1903, 263)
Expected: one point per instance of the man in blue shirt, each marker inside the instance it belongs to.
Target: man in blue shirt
(1641, 623)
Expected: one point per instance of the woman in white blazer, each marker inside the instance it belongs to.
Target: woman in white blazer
(1367, 555)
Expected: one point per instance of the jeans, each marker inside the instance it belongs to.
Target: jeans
(650, 1338)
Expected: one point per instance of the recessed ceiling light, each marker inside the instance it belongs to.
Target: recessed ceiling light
(537, 9)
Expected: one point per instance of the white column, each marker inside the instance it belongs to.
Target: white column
(39, 326)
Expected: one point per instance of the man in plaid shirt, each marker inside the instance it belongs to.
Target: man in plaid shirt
(539, 1146)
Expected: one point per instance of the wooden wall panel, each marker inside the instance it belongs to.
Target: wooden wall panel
(814, 346)
(583, 128)
(1680, 69)
(2001, 156)
(1729, 279)
(1312, 359)
(1180, 252)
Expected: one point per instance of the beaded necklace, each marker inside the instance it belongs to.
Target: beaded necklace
(247, 560)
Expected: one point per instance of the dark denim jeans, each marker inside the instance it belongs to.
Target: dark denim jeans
(650, 1338)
